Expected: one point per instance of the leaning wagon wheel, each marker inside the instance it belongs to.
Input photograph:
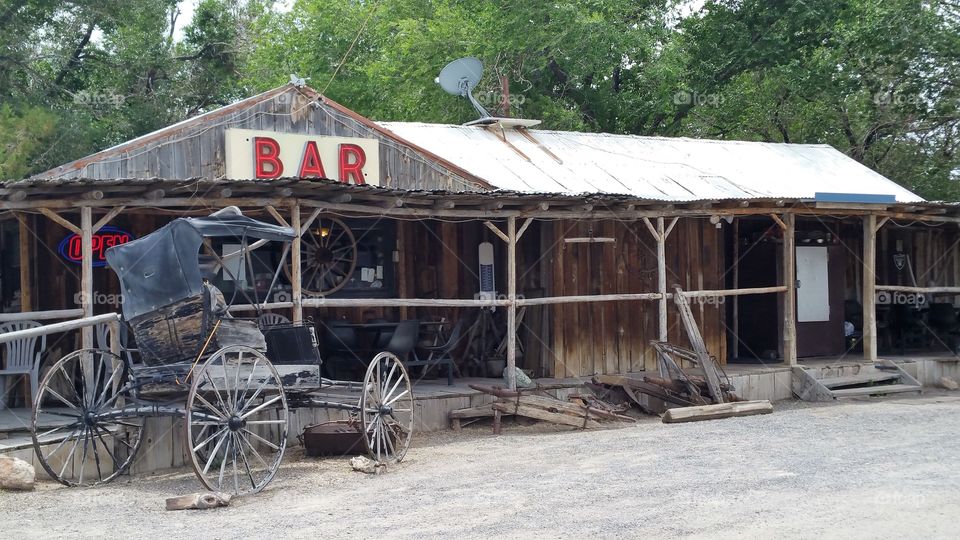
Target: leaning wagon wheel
(386, 409)
(236, 421)
(328, 253)
(94, 442)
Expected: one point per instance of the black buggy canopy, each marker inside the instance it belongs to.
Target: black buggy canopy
(163, 267)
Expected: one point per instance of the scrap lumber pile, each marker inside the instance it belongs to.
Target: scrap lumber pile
(583, 412)
(704, 396)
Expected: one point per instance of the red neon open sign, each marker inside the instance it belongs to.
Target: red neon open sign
(71, 247)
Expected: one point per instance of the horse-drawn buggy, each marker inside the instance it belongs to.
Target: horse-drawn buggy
(233, 380)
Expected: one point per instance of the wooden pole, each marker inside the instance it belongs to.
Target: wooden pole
(790, 296)
(296, 277)
(86, 273)
(662, 278)
(512, 302)
(26, 276)
(869, 287)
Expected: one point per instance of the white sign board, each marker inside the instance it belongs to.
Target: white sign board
(813, 296)
(253, 154)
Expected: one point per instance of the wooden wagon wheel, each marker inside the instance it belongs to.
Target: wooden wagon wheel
(94, 442)
(328, 254)
(236, 421)
(386, 409)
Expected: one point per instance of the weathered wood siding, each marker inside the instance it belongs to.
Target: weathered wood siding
(614, 337)
(197, 149)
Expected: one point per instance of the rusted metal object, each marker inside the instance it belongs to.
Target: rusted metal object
(336, 438)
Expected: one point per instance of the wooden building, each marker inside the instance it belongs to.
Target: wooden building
(593, 235)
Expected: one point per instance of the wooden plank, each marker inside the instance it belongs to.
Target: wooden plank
(789, 255)
(86, 274)
(876, 390)
(26, 240)
(510, 407)
(296, 290)
(852, 380)
(56, 218)
(512, 307)
(869, 287)
(807, 388)
(717, 411)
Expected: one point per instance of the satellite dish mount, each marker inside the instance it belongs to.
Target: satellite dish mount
(460, 77)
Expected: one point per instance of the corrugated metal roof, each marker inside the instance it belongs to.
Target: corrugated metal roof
(659, 168)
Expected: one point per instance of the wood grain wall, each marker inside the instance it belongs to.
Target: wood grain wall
(614, 337)
(197, 150)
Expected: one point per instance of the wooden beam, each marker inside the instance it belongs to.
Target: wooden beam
(587, 298)
(881, 223)
(295, 271)
(666, 234)
(523, 228)
(26, 265)
(114, 212)
(65, 326)
(86, 273)
(496, 230)
(28, 315)
(715, 412)
(869, 287)
(59, 220)
(780, 223)
(94, 195)
(922, 290)
(789, 256)
(276, 216)
(662, 280)
(512, 299)
(305, 226)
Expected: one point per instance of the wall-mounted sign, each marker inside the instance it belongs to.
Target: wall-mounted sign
(71, 247)
(269, 154)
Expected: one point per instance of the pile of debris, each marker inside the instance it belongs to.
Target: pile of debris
(581, 411)
(702, 391)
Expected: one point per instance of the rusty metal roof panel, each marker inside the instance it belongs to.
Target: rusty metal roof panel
(656, 168)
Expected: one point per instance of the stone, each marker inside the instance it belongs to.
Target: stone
(366, 465)
(16, 474)
(949, 383)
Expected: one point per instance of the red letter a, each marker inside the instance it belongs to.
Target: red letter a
(311, 165)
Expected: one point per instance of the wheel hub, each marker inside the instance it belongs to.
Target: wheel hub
(386, 410)
(236, 423)
(90, 419)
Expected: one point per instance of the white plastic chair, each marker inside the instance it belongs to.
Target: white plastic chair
(270, 319)
(102, 335)
(22, 357)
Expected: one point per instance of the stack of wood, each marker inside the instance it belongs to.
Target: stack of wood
(583, 412)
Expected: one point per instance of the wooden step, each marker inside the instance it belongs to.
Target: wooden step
(852, 380)
(876, 390)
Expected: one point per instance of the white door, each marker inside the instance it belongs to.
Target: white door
(813, 292)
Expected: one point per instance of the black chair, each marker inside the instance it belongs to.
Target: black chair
(945, 324)
(404, 339)
(339, 349)
(443, 353)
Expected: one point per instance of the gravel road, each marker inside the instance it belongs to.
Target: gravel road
(884, 468)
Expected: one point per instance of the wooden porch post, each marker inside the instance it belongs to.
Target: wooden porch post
(512, 299)
(296, 277)
(86, 274)
(869, 287)
(26, 266)
(790, 296)
(662, 279)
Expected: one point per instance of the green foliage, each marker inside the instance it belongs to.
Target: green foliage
(877, 80)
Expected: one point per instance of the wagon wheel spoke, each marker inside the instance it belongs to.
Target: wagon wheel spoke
(328, 256)
(100, 427)
(249, 442)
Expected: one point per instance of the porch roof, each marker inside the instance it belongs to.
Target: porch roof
(201, 194)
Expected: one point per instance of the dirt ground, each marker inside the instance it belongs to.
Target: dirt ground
(883, 468)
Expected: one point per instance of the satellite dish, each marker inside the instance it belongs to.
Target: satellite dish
(460, 77)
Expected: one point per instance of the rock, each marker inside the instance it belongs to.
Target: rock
(199, 501)
(366, 465)
(949, 383)
(16, 474)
